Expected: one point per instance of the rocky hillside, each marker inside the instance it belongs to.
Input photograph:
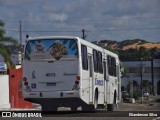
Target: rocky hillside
(132, 49)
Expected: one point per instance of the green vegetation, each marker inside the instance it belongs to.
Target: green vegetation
(136, 95)
(4, 41)
(132, 53)
(137, 54)
(112, 50)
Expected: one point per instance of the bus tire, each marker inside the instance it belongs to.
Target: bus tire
(93, 107)
(96, 100)
(111, 107)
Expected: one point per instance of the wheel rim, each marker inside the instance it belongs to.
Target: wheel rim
(95, 102)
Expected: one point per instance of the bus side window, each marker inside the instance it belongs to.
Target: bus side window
(104, 66)
(100, 64)
(84, 57)
(111, 66)
(115, 69)
(95, 61)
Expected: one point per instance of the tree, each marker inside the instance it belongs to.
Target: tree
(4, 41)
(154, 52)
(111, 49)
(143, 53)
(147, 85)
(135, 85)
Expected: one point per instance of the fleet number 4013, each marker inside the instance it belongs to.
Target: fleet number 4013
(50, 74)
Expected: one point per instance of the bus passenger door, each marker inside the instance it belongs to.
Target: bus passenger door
(90, 63)
(105, 81)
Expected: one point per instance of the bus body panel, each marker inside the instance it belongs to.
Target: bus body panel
(45, 76)
(56, 79)
(51, 94)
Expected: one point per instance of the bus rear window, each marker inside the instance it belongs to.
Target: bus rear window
(51, 49)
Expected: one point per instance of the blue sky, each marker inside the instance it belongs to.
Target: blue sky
(102, 19)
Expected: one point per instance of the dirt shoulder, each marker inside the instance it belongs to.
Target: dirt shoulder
(152, 103)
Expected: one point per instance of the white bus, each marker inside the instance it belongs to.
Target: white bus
(66, 71)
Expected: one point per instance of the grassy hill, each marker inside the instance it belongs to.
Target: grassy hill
(127, 44)
(132, 49)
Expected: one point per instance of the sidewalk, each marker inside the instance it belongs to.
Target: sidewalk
(152, 103)
(36, 107)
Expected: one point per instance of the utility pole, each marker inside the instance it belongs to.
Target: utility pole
(83, 34)
(141, 72)
(20, 33)
(20, 40)
(152, 71)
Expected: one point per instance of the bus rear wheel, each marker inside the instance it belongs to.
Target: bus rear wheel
(111, 107)
(73, 108)
(96, 101)
(93, 107)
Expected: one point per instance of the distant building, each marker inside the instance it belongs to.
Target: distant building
(104, 43)
(150, 76)
(3, 68)
(99, 43)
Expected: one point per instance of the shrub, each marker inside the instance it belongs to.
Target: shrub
(136, 95)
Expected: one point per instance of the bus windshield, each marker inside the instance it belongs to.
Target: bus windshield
(55, 49)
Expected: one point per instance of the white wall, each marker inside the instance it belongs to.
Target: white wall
(156, 62)
(146, 75)
(136, 63)
(4, 91)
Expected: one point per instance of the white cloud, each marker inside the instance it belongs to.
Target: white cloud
(62, 10)
(57, 17)
(17, 2)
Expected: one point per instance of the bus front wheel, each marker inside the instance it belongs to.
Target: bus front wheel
(110, 107)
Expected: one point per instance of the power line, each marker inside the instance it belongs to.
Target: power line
(125, 29)
(78, 20)
(16, 30)
(47, 31)
(13, 30)
(20, 32)
(83, 31)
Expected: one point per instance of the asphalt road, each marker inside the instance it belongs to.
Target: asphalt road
(150, 107)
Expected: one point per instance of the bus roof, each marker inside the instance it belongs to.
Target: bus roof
(98, 47)
(81, 41)
(51, 37)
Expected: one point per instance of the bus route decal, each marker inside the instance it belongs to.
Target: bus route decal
(99, 82)
(33, 75)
